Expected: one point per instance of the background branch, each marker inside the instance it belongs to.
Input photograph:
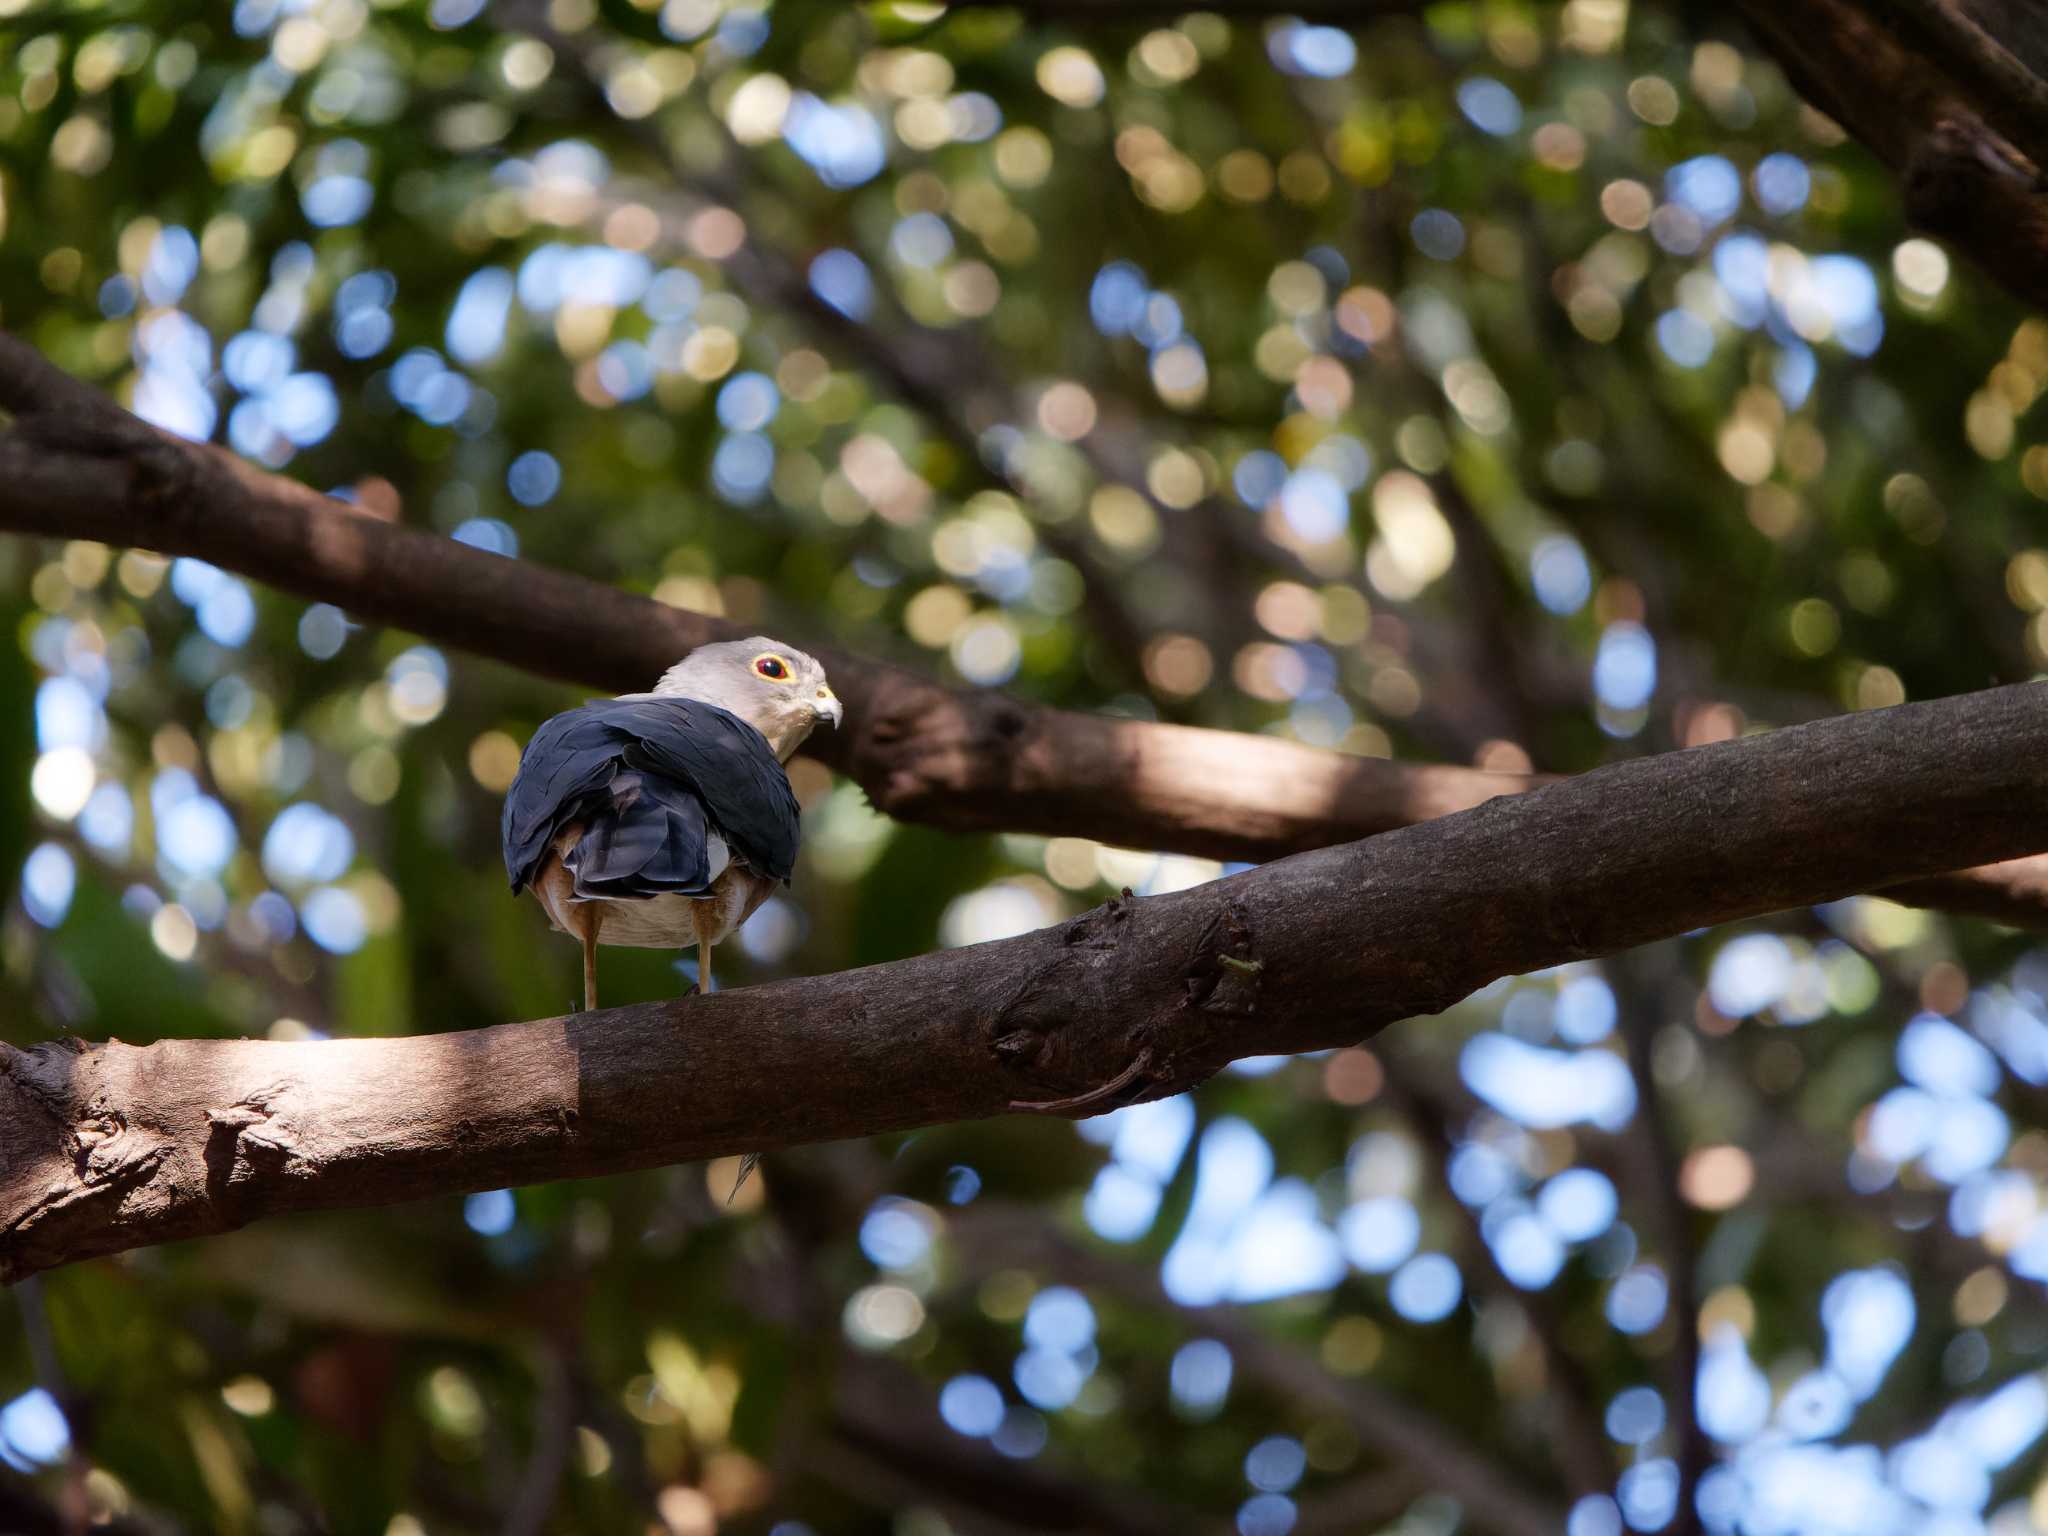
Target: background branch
(79, 467)
(1661, 1161)
(1397, 1429)
(1946, 139)
(967, 760)
(1583, 1453)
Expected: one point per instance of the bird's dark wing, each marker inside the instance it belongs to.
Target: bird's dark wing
(651, 780)
(650, 839)
(746, 795)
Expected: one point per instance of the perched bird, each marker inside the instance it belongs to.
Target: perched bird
(664, 819)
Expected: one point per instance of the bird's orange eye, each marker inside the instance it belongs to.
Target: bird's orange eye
(774, 668)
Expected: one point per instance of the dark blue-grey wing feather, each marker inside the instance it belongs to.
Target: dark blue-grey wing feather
(650, 840)
(746, 795)
(651, 780)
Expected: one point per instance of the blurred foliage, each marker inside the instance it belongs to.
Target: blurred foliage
(1513, 384)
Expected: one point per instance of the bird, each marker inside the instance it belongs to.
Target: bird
(665, 818)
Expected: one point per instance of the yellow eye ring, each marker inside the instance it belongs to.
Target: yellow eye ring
(775, 668)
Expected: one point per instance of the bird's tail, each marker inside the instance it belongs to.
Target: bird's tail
(747, 1166)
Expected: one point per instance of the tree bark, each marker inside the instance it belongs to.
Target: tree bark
(1950, 95)
(76, 466)
(107, 1147)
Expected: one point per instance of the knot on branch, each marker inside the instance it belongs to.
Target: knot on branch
(43, 1072)
(69, 1160)
(1065, 1024)
(1044, 1031)
(251, 1137)
(1225, 972)
(1100, 927)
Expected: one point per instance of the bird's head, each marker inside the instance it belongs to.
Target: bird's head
(775, 688)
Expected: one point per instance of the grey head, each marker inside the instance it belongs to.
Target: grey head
(775, 688)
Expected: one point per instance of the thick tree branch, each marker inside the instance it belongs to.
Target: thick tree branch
(76, 466)
(106, 1147)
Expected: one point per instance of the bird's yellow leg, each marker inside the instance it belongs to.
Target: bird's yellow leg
(595, 915)
(703, 965)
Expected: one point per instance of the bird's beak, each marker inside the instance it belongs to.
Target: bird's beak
(828, 707)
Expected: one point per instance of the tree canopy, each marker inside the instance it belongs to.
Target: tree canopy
(1416, 404)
